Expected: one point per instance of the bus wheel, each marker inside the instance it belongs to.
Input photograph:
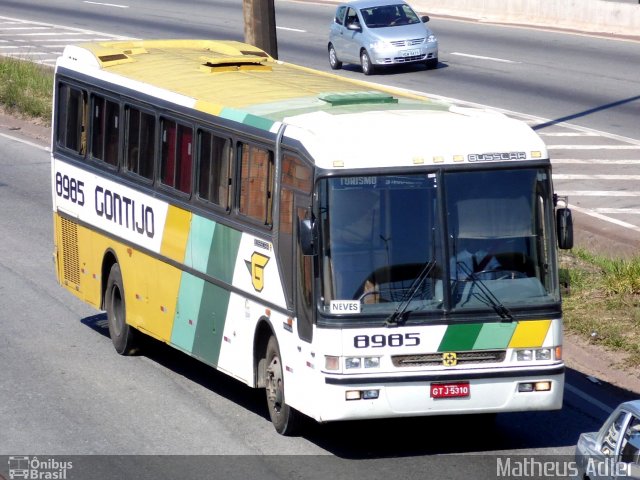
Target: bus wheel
(122, 335)
(285, 419)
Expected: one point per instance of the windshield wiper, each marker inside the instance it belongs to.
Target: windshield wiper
(489, 298)
(400, 312)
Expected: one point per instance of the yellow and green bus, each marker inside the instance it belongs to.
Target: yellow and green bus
(357, 251)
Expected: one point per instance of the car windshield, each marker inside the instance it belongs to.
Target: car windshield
(389, 16)
(379, 234)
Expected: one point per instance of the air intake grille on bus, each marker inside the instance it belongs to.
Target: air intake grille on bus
(70, 258)
(463, 358)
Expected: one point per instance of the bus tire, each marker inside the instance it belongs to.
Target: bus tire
(285, 419)
(123, 336)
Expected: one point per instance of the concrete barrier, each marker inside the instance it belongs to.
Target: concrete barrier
(590, 16)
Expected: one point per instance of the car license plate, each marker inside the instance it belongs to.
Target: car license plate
(410, 53)
(450, 390)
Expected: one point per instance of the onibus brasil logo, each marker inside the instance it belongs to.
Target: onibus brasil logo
(38, 468)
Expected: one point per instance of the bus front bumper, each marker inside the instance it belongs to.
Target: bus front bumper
(504, 390)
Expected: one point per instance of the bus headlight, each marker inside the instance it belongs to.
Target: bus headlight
(352, 363)
(530, 354)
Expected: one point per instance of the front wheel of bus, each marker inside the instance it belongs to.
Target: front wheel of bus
(122, 335)
(285, 419)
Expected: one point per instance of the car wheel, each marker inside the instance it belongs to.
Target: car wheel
(365, 61)
(432, 63)
(333, 59)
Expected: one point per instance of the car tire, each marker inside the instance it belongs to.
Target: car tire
(333, 59)
(432, 63)
(365, 62)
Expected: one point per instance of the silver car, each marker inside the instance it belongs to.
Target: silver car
(376, 33)
(614, 451)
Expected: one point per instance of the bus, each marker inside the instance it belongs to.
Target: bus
(357, 251)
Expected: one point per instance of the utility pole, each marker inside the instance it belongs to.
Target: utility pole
(260, 25)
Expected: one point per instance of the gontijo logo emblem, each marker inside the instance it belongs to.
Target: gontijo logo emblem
(449, 359)
(256, 268)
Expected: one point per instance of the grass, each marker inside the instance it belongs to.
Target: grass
(26, 89)
(603, 303)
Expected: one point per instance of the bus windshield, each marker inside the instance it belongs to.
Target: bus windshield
(395, 241)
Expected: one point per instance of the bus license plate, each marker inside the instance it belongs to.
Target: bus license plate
(450, 390)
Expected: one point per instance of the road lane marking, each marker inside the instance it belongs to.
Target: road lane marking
(480, 57)
(588, 398)
(568, 134)
(291, 29)
(593, 147)
(599, 216)
(106, 4)
(25, 142)
(594, 161)
(598, 193)
(578, 176)
(618, 211)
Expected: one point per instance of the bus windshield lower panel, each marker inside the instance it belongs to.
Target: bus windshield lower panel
(455, 241)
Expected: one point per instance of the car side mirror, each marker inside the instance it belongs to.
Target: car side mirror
(306, 231)
(424, 18)
(354, 26)
(564, 228)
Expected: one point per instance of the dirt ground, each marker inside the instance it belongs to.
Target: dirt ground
(596, 236)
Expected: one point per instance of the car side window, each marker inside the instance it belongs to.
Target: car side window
(630, 446)
(352, 17)
(613, 434)
(340, 12)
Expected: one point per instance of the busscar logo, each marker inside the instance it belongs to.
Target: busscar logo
(256, 269)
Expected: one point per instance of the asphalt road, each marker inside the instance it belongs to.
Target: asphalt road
(64, 391)
(580, 93)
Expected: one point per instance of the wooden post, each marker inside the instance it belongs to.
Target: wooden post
(260, 25)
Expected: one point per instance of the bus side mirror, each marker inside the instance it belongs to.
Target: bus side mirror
(564, 227)
(307, 237)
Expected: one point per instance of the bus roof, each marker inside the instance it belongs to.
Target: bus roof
(343, 123)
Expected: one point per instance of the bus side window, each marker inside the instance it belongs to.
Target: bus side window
(105, 130)
(177, 153)
(213, 169)
(71, 121)
(140, 151)
(256, 183)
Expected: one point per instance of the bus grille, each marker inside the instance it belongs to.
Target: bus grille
(70, 258)
(463, 358)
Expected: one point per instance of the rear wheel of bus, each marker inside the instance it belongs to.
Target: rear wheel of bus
(122, 335)
(285, 419)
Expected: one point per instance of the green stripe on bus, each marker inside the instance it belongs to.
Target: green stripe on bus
(223, 252)
(200, 240)
(211, 319)
(494, 336)
(460, 337)
(187, 311)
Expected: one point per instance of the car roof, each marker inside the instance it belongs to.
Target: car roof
(632, 406)
(372, 3)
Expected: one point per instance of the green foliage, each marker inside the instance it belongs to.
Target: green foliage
(26, 88)
(604, 301)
